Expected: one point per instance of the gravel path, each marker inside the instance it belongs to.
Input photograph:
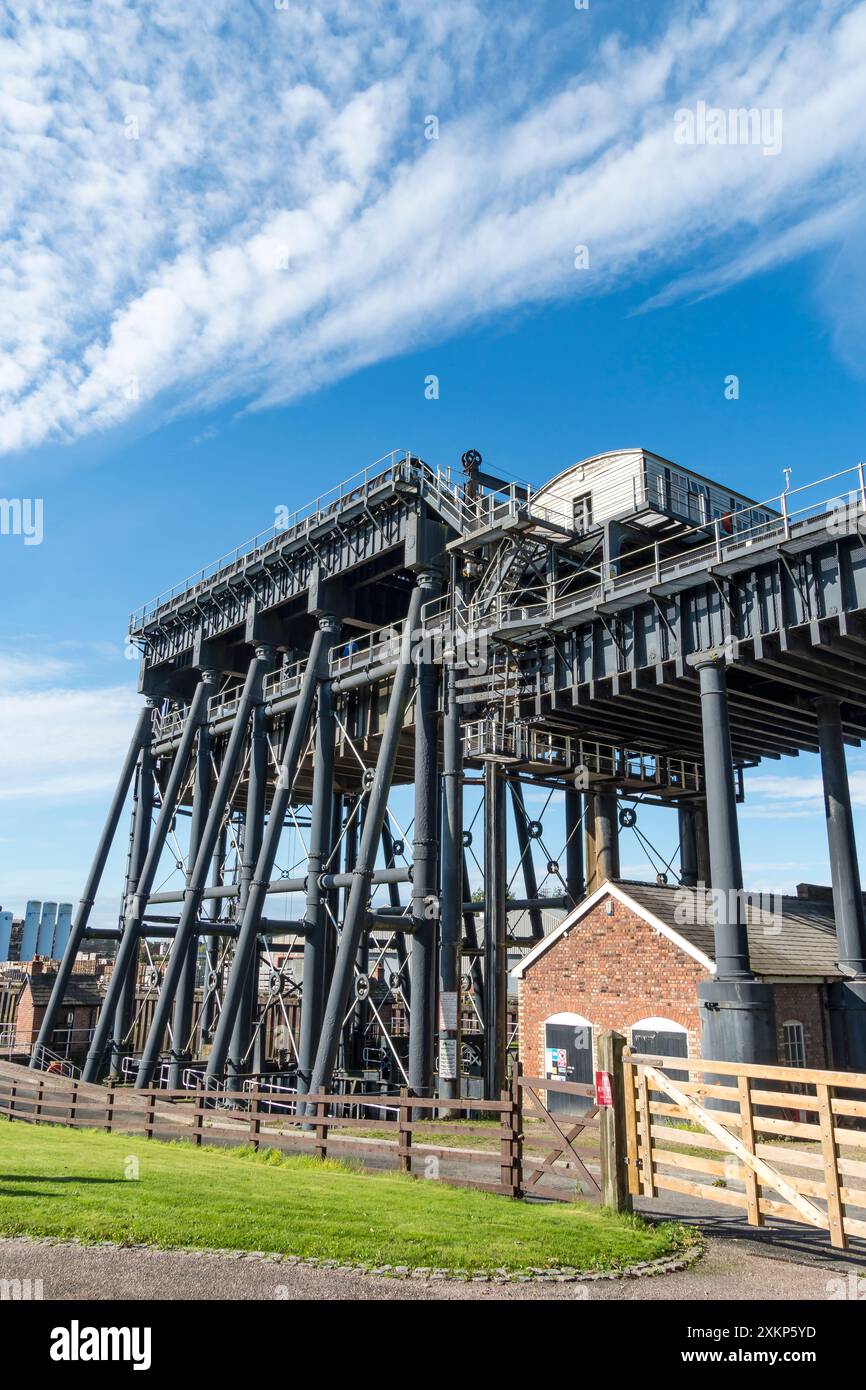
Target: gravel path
(729, 1270)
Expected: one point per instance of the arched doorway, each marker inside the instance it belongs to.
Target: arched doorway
(568, 1057)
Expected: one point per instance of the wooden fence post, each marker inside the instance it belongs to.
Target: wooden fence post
(747, 1136)
(73, 1102)
(632, 1150)
(612, 1121)
(109, 1110)
(511, 1138)
(198, 1115)
(255, 1118)
(830, 1151)
(321, 1130)
(404, 1132)
(646, 1141)
(150, 1114)
(517, 1126)
(40, 1092)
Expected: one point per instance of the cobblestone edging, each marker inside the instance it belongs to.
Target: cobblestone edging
(667, 1264)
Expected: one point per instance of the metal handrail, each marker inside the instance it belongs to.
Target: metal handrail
(301, 520)
(542, 602)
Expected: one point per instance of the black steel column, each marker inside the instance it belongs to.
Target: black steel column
(184, 1004)
(316, 916)
(470, 937)
(527, 863)
(209, 1000)
(126, 960)
(688, 844)
(394, 900)
(495, 927)
(574, 883)
(737, 1010)
(142, 817)
(451, 896)
(848, 996)
(355, 921)
(192, 898)
(246, 945)
(356, 1028)
(251, 844)
(702, 844)
(140, 737)
(425, 900)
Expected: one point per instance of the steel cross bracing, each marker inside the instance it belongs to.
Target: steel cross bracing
(418, 716)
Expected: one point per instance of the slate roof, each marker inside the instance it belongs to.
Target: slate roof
(82, 990)
(789, 937)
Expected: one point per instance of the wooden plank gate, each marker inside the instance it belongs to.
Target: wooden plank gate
(723, 1131)
(563, 1157)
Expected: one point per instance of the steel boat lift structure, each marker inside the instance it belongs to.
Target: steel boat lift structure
(630, 630)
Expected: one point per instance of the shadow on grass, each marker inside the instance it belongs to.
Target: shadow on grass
(33, 1177)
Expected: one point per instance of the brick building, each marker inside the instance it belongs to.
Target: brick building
(631, 956)
(24, 994)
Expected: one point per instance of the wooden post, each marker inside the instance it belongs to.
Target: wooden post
(321, 1130)
(109, 1110)
(255, 1118)
(830, 1154)
(516, 1122)
(646, 1142)
(747, 1136)
(612, 1126)
(73, 1101)
(198, 1117)
(40, 1092)
(404, 1132)
(628, 1075)
(150, 1114)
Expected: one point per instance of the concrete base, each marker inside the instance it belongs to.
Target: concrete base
(847, 1004)
(737, 1021)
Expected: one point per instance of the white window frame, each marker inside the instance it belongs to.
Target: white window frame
(800, 1060)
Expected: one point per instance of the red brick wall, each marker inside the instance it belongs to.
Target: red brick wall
(614, 970)
(806, 1004)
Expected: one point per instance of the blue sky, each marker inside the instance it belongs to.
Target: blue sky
(231, 256)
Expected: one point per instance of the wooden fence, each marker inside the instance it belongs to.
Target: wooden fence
(743, 1146)
(530, 1149)
(391, 1131)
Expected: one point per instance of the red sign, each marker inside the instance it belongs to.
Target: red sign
(603, 1088)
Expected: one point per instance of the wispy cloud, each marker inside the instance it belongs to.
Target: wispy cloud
(62, 744)
(210, 203)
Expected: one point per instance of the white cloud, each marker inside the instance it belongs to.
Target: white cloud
(62, 744)
(280, 219)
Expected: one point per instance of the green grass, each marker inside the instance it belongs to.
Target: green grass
(74, 1184)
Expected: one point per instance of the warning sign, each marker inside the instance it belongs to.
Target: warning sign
(603, 1088)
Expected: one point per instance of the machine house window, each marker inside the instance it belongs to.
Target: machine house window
(794, 1043)
(583, 512)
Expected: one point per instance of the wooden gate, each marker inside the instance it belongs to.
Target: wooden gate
(558, 1154)
(725, 1134)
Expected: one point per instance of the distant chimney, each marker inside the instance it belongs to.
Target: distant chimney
(817, 893)
(36, 966)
